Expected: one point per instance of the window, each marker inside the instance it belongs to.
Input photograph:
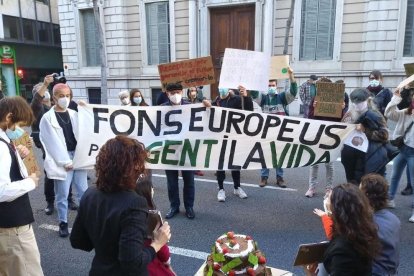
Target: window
(90, 39)
(317, 29)
(43, 29)
(11, 27)
(29, 30)
(158, 34)
(56, 35)
(94, 95)
(409, 31)
(155, 93)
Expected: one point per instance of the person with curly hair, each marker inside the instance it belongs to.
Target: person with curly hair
(112, 217)
(355, 243)
(375, 187)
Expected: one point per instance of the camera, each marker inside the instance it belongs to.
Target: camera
(58, 78)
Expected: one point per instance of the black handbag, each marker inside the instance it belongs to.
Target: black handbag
(399, 141)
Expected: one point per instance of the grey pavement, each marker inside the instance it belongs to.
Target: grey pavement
(279, 220)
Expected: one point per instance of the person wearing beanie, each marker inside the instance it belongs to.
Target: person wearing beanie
(362, 112)
(124, 97)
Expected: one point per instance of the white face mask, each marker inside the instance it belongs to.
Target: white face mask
(374, 83)
(125, 101)
(137, 100)
(272, 91)
(176, 98)
(63, 102)
(361, 106)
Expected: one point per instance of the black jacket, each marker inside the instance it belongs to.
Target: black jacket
(234, 101)
(115, 225)
(341, 259)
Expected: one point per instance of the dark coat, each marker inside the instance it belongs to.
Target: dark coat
(341, 259)
(234, 101)
(115, 225)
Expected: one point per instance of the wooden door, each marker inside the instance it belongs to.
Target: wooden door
(230, 27)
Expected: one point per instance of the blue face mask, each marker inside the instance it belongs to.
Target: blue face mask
(271, 91)
(14, 134)
(137, 100)
(223, 92)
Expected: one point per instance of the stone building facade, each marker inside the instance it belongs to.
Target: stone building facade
(339, 39)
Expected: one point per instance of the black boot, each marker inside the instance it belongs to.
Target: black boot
(50, 208)
(407, 191)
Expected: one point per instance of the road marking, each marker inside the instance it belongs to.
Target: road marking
(174, 250)
(231, 183)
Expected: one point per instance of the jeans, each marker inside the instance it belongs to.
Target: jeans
(221, 175)
(404, 159)
(313, 175)
(173, 191)
(80, 180)
(265, 172)
(408, 179)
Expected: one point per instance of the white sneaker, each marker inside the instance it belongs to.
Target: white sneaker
(240, 193)
(221, 196)
(412, 218)
(310, 193)
(391, 204)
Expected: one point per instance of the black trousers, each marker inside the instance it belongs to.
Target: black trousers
(353, 161)
(221, 176)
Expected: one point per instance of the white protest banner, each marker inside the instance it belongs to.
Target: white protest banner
(279, 67)
(247, 68)
(193, 137)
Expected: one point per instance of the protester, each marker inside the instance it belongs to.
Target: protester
(355, 241)
(229, 99)
(363, 112)
(256, 99)
(124, 98)
(193, 97)
(19, 254)
(161, 265)
(375, 188)
(58, 130)
(112, 217)
(136, 98)
(329, 166)
(175, 95)
(381, 95)
(307, 93)
(405, 129)
(162, 98)
(276, 103)
(41, 104)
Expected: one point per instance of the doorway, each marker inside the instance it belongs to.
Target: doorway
(230, 27)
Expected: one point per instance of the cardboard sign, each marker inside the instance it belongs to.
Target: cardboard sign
(406, 82)
(30, 161)
(279, 67)
(247, 68)
(188, 73)
(409, 69)
(330, 98)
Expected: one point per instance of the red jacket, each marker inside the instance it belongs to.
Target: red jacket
(160, 264)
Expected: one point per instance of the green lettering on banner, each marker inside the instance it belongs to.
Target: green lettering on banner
(192, 153)
(209, 144)
(300, 153)
(292, 156)
(156, 153)
(167, 151)
(325, 158)
(278, 162)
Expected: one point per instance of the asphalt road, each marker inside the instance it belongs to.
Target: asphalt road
(278, 219)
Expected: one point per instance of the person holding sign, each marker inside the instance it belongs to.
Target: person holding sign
(58, 135)
(19, 254)
(381, 95)
(276, 103)
(228, 99)
(175, 98)
(405, 129)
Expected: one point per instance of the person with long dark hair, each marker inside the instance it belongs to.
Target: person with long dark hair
(355, 242)
(136, 98)
(112, 217)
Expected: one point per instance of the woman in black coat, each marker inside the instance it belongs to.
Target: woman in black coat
(112, 218)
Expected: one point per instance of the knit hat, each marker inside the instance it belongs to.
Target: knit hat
(313, 77)
(123, 94)
(359, 95)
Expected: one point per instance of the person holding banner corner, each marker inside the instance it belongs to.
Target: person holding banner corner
(276, 103)
(231, 100)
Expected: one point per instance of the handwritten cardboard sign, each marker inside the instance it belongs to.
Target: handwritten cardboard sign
(188, 73)
(30, 161)
(279, 66)
(330, 98)
(247, 68)
(409, 72)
